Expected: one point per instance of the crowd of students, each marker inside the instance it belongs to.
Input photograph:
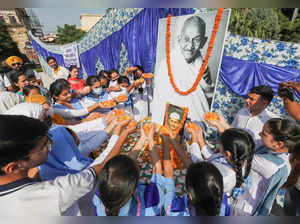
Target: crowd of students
(46, 137)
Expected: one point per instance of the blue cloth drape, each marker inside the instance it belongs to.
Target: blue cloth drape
(140, 35)
(240, 76)
(109, 51)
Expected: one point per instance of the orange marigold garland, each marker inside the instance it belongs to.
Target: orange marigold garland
(204, 64)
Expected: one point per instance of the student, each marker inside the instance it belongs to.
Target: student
(64, 105)
(104, 80)
(270, 167)
(204, 192)
(141, 93)
(97, 94)
(73, 79)
(122, 195)
(124, 83)
(234, 160)
(113, 83)
(30, 90)
(292, 186)
(27, 145)
(19, 81)
(104, 73)
(33, 81)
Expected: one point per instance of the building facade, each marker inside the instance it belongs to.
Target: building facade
(18, 23)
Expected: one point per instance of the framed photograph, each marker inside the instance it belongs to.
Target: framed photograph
(175, 117)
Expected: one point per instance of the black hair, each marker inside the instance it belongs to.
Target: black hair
(204, 183)
(117, 183)
(102, 76)
(139, 67)
(50, 58)
(58, 86)
(112, 71)
(286, 131)
(28, 88)
(103, 72)
(91, 80)
(18, 136)
(30, 76)
(265, 92)
(123, 79)
(72, 67)
(15, 76)
(241, 146)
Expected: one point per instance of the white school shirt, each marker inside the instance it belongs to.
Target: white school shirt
(253, 125)
(57, 197)
(62, 73)
(69, 113)
(228, 174)
(261, 172)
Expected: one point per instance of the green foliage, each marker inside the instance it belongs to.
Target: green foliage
(264, 23)
(255, 22)
(7, 46)
(289, 31)
(68, 34)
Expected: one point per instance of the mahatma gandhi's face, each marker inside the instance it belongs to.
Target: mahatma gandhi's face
(192, 39)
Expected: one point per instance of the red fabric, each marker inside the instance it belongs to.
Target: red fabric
(78, 85)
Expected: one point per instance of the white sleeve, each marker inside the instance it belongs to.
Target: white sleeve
(6, 82)
(73, 186)
(71, 113)
(92, 142)
(196, 155)
(37, 75)
(113, 140)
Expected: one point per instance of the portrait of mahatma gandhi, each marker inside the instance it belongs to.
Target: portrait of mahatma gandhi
(192, 38)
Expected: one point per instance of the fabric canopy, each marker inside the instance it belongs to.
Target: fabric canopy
(240, 76)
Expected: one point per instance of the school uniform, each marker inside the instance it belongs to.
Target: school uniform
(140, 101)
(181, 206)
(229, 175)
(58, 197)
(126, 106)
(91, 99)
(269, 172)
(75, 114)
(147, 201)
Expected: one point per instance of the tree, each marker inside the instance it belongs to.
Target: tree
(265, 23)
(7, 46)
(255, 22)
(68, 34)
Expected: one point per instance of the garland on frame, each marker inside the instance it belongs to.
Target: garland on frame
(204, 64)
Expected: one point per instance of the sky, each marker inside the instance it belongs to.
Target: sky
(50, 18)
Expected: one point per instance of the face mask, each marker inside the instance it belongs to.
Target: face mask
(97, 91)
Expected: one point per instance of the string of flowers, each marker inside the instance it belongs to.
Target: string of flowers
(205, 61)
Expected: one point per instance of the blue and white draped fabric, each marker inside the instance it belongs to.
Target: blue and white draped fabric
(64, 157)
(147, 201)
